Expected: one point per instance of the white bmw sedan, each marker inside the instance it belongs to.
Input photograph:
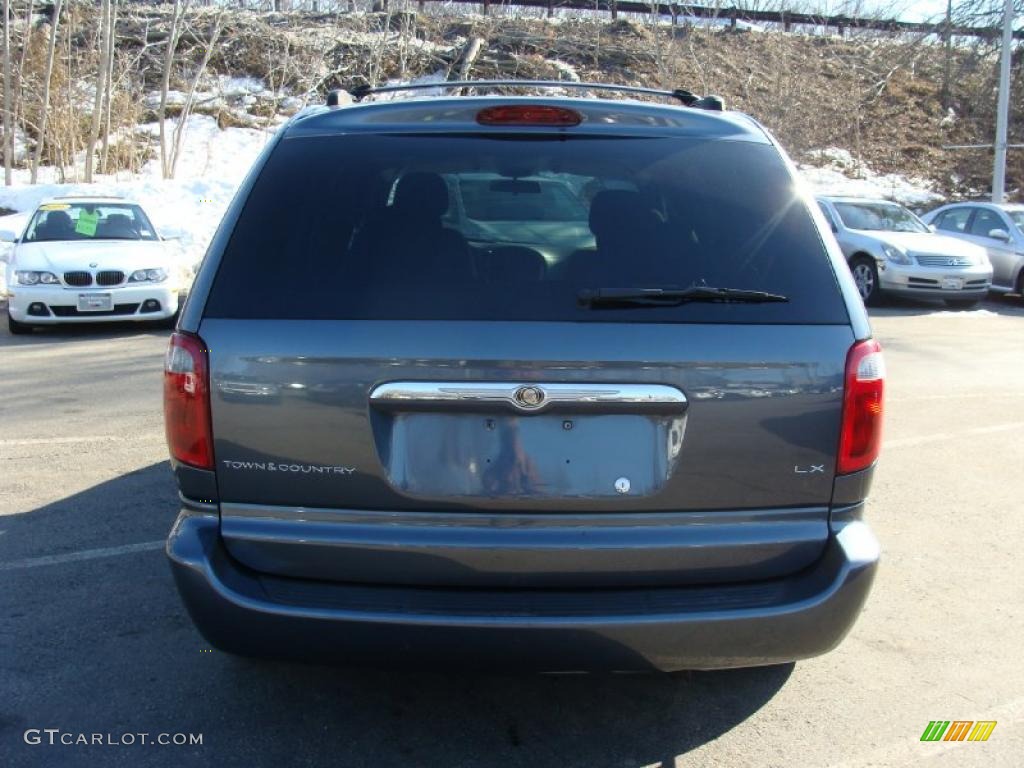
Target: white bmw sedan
(90, 259)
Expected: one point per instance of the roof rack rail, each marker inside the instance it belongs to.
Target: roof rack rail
(360, 92)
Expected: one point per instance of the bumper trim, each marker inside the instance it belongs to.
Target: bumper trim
(61, 304)
(665, 629)
(521, 550)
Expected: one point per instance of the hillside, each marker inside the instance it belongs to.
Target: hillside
(865, 104)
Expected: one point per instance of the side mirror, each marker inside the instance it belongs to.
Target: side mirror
(999, 234)
(7, 236)
(932, 228)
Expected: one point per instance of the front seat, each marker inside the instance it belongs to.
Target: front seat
(117, 226)
(58, 226)
(410, 243)
(631, 244)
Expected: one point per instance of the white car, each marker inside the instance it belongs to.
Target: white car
(892, 252)
(999, 229)
(90, 259)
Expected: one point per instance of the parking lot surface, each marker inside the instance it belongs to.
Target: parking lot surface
(93, 638)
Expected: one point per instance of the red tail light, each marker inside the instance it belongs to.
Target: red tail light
(528, 114)
(861, 436)
(187, 401)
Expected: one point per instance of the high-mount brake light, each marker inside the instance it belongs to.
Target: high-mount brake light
(861, 433)
(529, 114)
(187, 401)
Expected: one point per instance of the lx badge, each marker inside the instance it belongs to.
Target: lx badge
(815, 468)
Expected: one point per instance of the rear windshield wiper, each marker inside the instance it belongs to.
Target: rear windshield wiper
(670, 297)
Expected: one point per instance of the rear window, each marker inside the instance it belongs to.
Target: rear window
(472, 227)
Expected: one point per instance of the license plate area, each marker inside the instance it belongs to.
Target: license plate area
(544, 456)
(95, 302)
(952, 283)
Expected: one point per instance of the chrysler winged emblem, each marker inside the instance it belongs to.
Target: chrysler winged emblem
(529, 397)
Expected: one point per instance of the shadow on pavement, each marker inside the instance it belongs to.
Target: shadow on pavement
(897, 306)
(104, 646)
(71, 332)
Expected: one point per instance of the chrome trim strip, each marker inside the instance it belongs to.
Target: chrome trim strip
(752, 520)
(512, 394)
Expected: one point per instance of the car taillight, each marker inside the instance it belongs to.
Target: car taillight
(187, 401)
(529, 114)
(861, 436)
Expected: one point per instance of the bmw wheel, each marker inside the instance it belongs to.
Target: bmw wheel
(865, 275)
(17, 328)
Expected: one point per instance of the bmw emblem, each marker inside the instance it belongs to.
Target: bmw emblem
(529, 397)
(93, 264)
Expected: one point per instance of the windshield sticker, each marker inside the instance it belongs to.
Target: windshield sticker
(86, 224)
(54, 207)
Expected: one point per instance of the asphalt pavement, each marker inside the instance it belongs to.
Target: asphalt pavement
(93, 638)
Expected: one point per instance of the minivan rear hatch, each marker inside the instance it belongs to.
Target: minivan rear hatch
(408, 373)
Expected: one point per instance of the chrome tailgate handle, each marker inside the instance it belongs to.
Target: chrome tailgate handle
(529, 397)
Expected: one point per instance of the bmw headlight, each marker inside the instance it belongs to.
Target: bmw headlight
(148, 276)
(32, 277)
(895, 255)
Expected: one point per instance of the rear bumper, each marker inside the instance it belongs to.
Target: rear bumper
(700, 627)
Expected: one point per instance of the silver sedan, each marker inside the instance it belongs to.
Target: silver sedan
(891, 251)
(999, 229)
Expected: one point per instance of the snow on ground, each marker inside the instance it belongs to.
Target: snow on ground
(439, 76)
(212, 165)
(835, 172)
(565, 69)
(221, 92)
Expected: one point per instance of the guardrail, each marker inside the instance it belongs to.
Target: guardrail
(733, 16)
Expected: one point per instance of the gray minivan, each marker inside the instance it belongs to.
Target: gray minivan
(528, 382)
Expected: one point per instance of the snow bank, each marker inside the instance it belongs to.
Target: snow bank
(439, 76)
(212, 165)
(834, 171)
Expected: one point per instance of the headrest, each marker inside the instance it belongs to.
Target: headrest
(421, 195)
(58, 220)
(615, 211)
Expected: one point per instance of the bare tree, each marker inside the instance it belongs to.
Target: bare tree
(109, 97)
(8, 127)
(173, 35)
(19, 75)
(186, 108)
(45, 111)
(101, 87)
